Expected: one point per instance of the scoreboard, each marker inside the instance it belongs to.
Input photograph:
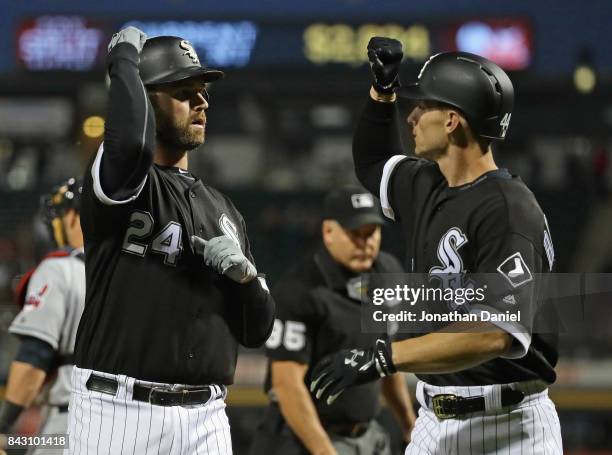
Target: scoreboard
(78, 43)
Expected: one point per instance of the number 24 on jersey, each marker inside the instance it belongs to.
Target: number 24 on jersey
(166, 242)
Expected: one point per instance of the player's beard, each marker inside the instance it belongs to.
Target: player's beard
(178, 134)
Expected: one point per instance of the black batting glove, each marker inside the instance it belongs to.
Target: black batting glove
(385, 55)
(350, 367)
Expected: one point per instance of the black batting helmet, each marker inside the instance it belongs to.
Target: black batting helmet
(166, 59)
(54, 205)
(479, 88)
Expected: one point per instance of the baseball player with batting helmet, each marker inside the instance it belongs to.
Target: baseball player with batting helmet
(51, 297)
(483, 385)
(172, 288)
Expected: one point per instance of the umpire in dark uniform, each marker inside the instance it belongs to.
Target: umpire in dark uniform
(319, 312)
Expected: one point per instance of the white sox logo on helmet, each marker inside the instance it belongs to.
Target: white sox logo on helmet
(189, 51)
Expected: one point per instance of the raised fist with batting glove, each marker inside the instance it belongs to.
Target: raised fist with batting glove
(385, 55)
(350, 367)
(131, 35)
(225, 256)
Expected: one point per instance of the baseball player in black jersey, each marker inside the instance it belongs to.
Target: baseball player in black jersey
(172, 288)
(483, 385)
(51, 298)
(319, 303)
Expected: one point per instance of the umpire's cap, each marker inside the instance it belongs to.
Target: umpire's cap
(479, 88)
(166, 59)
(352, 207)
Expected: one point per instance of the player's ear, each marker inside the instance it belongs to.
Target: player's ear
(452, 121)
(457, 128)
(327, 229)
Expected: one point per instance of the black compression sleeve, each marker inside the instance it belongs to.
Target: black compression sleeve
(9, 413)
(376, 139)
(129, 131)
(253, 312)
(37, 353)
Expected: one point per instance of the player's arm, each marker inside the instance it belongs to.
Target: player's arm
(468, 345)
(462, 345)
(508, 266)
(434, 353)
(395, 392)
(297, 407)
(126, 155)
(254, 311)
(380, 164)
(39, 327)
(376, 139)
(252, 306)
(26, 376)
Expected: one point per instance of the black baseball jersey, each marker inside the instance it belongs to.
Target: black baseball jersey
(493, 225)
(153, 310)
(319, 312)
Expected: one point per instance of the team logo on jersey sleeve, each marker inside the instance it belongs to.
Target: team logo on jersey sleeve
(34, 299)
(515, 270)
(229, 228)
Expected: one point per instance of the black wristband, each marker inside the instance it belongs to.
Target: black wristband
(384, 358)
(386, 90)
(9, 413)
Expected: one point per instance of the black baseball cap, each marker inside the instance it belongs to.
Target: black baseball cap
(352, 207)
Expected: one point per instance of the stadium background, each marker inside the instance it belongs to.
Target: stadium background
(279, 134)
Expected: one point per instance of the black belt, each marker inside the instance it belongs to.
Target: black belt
(160, 396)
(348, 430)
(448, 406)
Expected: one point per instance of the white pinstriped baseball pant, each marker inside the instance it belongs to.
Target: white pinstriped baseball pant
(99, 423)
(529, 428)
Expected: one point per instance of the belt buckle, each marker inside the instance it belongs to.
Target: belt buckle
(184, 395)
(439, 403)
(156, 389)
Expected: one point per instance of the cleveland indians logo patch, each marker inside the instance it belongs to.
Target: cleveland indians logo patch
(189, 51)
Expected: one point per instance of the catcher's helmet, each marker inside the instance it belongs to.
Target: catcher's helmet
(54, 205)
(166, 59)
(479, 88)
